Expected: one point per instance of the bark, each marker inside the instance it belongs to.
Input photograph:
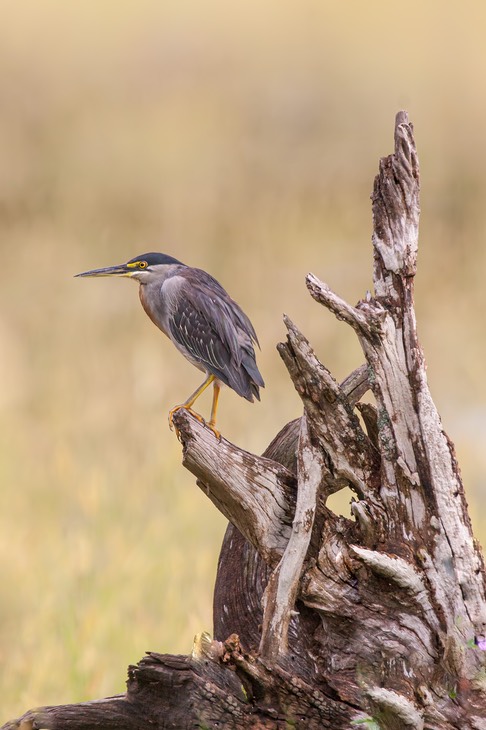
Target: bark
(322, 621)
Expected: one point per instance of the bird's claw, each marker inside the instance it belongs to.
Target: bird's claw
(199, 418)
(213, 428)
(174, 410)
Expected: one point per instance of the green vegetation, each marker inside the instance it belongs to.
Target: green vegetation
(367, 722)
(242, 138)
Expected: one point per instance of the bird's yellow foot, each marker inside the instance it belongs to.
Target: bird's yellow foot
(174, 410)
(199, 418)
(212, 426)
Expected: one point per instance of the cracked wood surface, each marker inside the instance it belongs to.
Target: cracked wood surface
(283, 586)
(254, 493)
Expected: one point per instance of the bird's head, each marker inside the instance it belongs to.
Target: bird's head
(144, 268)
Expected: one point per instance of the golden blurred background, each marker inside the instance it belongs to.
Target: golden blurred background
(242, 138)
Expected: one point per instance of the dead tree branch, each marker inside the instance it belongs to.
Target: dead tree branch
(283, 586)
(257, 495)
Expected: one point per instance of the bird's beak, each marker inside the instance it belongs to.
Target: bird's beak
(120, 270)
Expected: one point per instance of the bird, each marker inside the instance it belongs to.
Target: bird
(203, 322)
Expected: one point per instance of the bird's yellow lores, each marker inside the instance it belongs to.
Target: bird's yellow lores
(201, 320)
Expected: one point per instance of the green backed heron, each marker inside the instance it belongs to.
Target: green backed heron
(201, 320)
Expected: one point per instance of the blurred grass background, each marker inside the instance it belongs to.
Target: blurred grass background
(242, 138)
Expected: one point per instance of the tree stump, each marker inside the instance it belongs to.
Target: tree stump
(322, 621)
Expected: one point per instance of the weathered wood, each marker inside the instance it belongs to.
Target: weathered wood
(254, 493)
(283, 587)
(243, 576)
(331, 416)
(377, 619)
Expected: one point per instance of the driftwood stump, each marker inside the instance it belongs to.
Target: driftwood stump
(322, 621)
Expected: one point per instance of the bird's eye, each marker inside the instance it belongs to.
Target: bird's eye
(142, 264)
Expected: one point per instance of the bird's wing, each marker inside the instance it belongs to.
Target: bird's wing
(199, 323)
(237, 315)
(209, 327)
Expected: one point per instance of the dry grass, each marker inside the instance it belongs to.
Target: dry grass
(241, 137)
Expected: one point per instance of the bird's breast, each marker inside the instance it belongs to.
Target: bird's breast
(154, 307)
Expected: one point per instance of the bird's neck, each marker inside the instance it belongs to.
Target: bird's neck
(149, 304)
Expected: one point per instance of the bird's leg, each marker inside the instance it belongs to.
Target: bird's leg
(190, 402)
(214, 408)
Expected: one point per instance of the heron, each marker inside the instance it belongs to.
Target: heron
(203, 322)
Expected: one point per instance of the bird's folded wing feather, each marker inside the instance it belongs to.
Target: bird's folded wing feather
(206, 322)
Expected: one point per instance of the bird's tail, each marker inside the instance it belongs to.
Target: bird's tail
(254, 380)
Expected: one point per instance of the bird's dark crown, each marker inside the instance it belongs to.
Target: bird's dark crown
(153, 259)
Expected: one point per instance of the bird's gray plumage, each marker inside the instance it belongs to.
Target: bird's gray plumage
(205, 324)
(201, 319)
